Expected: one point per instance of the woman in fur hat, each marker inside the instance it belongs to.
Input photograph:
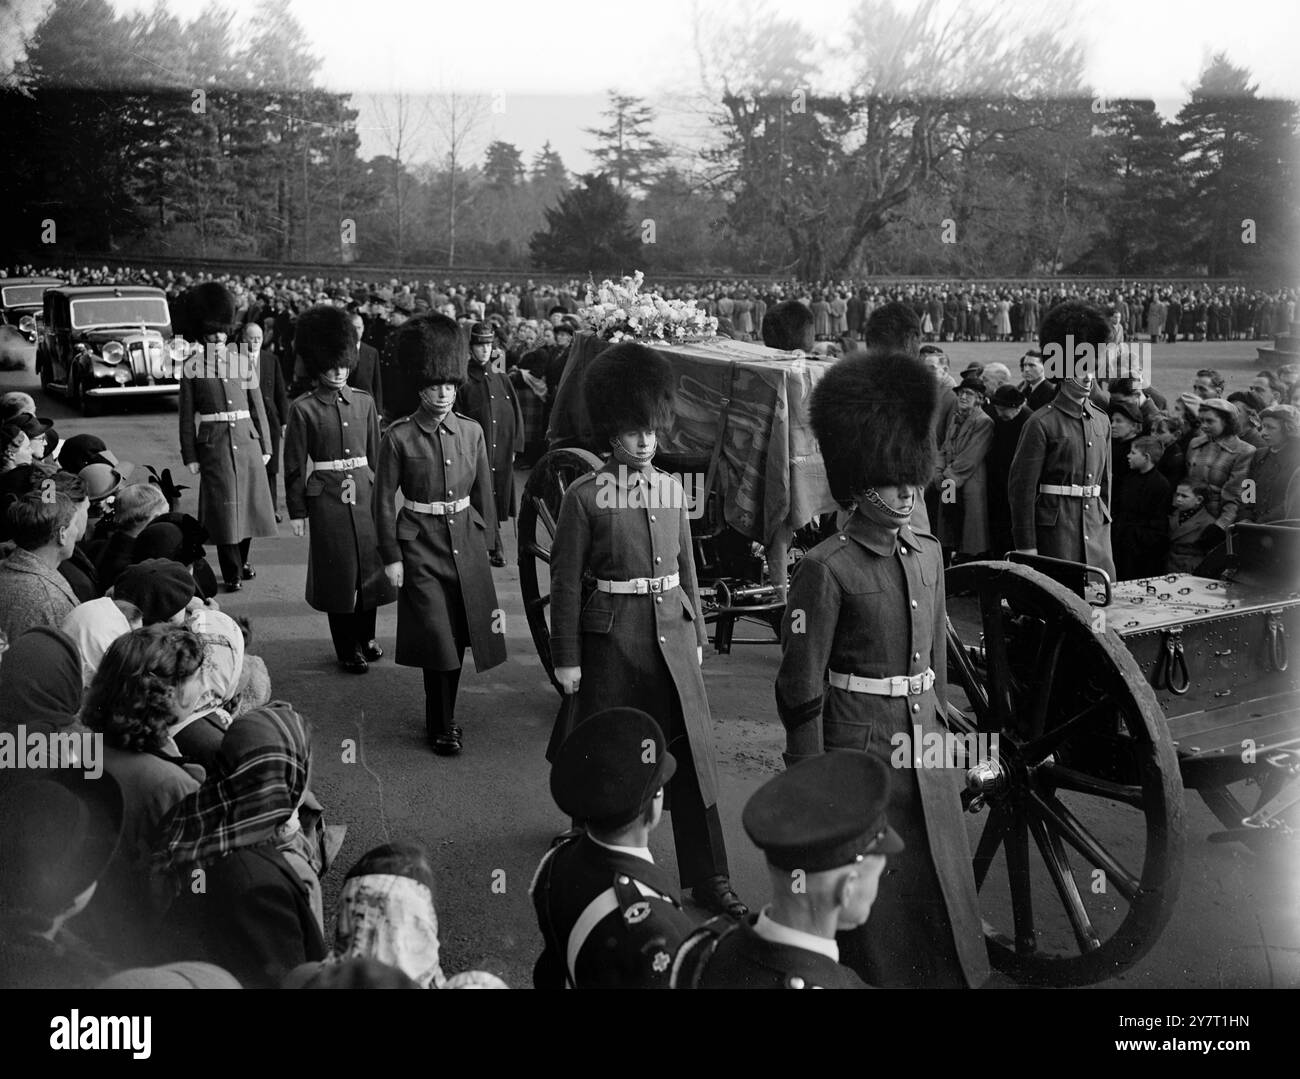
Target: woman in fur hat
(638, 639)
(435, 551)
(330, 454)
(225, 438)
(865, 611)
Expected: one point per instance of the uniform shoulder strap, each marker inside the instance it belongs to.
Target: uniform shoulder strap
(696, 950)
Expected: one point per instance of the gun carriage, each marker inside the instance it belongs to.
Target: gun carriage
(1081, 710)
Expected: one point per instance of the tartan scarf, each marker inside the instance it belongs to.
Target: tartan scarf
(259, 778)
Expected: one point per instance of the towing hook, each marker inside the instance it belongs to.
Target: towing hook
(1176, 664)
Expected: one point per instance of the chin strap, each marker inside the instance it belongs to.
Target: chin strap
(870, 496)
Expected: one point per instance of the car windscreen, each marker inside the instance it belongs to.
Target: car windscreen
(119, 311)
(23, 295)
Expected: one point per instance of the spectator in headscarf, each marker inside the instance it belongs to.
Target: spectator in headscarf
(387, 913)
(58, 832)
(254, 917)
(94, 626)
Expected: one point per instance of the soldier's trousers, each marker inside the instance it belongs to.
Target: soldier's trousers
(440, 700)
(351, 631)
(697, 831)
(232, 557)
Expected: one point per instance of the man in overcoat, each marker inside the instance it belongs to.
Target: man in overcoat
(275, 398)
(488, 397)
(638, 638)
(960, 475)
(863, 666)
(1061, 475)
(331, 451)
(435, 549)
(365, 374)
(224, 433)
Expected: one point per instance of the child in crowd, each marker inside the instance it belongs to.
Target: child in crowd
(1140, 528)
(1125, 426)
(1189, 519)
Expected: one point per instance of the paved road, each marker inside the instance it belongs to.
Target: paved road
(487, 816)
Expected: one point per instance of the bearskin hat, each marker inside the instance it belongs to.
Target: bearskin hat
(324, 338)
(204, 309)
(871, 416)
(430, 349)
(628, 387)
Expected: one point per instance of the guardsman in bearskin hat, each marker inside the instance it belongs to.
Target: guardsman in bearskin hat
(1061, 473)
(610, 917)
(225, 437)
(638, 638)
(489, 397)
(331, 452)
(863, 665)
(823, 828)
(435, 550)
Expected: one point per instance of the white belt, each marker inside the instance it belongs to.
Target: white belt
(640, 586)
(336, 466)
(438, 509)
(902, 686)
(224, 417)
(1074, 490)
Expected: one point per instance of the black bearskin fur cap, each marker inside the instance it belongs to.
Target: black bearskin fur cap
(871, 416)
(430, 349)
(204, 309)
(324, 338)
(629, 387)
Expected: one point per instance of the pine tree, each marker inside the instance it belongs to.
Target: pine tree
(628, 151)
(587, 231)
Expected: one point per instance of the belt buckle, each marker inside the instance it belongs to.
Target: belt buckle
(898, 686)
(916, 685)
(642, 586)
(656, 584)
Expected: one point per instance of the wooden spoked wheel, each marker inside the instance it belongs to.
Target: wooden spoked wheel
(1080, 852)
(539, 510)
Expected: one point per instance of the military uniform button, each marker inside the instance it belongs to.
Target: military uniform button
(657, 560)
(916, 656)
(913, 604)
(916, 708)
(624, 880)
(843, 537)
(903, 549)
(447, 461)
(345, 423)
(454, 551)
(659, 599)
(652, 516)
(663, 640)
(795, 982)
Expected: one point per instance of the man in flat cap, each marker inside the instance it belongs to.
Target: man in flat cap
(821, 825)
(610, 917)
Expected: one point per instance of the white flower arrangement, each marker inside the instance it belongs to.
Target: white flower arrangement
(622, 312)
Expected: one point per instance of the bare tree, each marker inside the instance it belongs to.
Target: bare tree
(457, 119)
(399, 124)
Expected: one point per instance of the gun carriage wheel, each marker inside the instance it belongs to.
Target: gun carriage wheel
(1080, 851)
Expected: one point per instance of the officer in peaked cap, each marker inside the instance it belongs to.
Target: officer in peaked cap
(822, 827)
(610, 917)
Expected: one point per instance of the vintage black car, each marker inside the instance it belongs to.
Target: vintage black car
(103, 342)
(21, 303)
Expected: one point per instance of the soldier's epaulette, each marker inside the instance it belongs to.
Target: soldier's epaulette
(364, 393)
(398, 422)
(586, 477)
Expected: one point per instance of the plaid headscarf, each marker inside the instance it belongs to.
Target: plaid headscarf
(258, 780)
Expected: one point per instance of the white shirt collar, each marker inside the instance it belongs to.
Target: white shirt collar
(775, 933)
(636, 852)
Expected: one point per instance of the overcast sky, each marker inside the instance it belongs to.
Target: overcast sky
(544, 69)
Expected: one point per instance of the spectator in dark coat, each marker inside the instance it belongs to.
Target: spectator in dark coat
(366, 375)
(255, 919)
(1273, 467)
(1173, 464)
(1125, 426)
(1010, 414)
(1140, 525)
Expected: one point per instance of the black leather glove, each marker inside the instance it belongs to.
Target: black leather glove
(1211, 538)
